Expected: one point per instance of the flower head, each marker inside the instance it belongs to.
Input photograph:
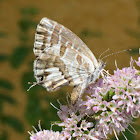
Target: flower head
(115, 100)
(48, 135)
(75, 122)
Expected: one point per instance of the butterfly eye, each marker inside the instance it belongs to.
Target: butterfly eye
(41, 79)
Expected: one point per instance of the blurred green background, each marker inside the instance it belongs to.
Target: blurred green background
(101, 24)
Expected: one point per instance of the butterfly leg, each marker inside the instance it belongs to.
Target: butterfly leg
(77, 92)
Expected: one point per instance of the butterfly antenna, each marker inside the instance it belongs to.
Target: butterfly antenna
(103, 53)
(116, 53)
(31, 85)
(34, 84)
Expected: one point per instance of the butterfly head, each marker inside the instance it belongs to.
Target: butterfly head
(98, 70)
(101, 64)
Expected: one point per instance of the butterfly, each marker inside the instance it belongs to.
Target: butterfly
(62, 58)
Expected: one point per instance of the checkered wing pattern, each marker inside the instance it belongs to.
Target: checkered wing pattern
(61, 58)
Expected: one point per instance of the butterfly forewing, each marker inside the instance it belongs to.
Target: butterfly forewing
(50, 32)
(61, 58)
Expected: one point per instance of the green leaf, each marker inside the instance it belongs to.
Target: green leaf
(7, 98)
(51, 116)
(18, 56)
(34, 24)
(26, 23)
(128, 135)
(3, 135)
(1, 108)
(2, 34)
(6, 84)
(13, 122)
(33, 109)
(3, 57)
(30, 11)
(106, 96)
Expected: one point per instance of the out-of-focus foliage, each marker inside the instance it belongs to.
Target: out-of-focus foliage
(37, 101)
(18, 56)
(6, 84)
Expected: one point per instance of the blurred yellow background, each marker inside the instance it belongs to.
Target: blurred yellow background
(101, 24)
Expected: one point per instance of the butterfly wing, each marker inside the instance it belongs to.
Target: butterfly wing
(61, 58)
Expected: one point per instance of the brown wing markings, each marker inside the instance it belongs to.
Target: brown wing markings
(71, 37)
(65, 34)
(52, 58)
(61, 82)
(79, 59)
(43, 35)
(57, 62)
(54, 61)
(62, 67)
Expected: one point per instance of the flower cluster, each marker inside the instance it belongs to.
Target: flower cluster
(109, 107)
(75, 122)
